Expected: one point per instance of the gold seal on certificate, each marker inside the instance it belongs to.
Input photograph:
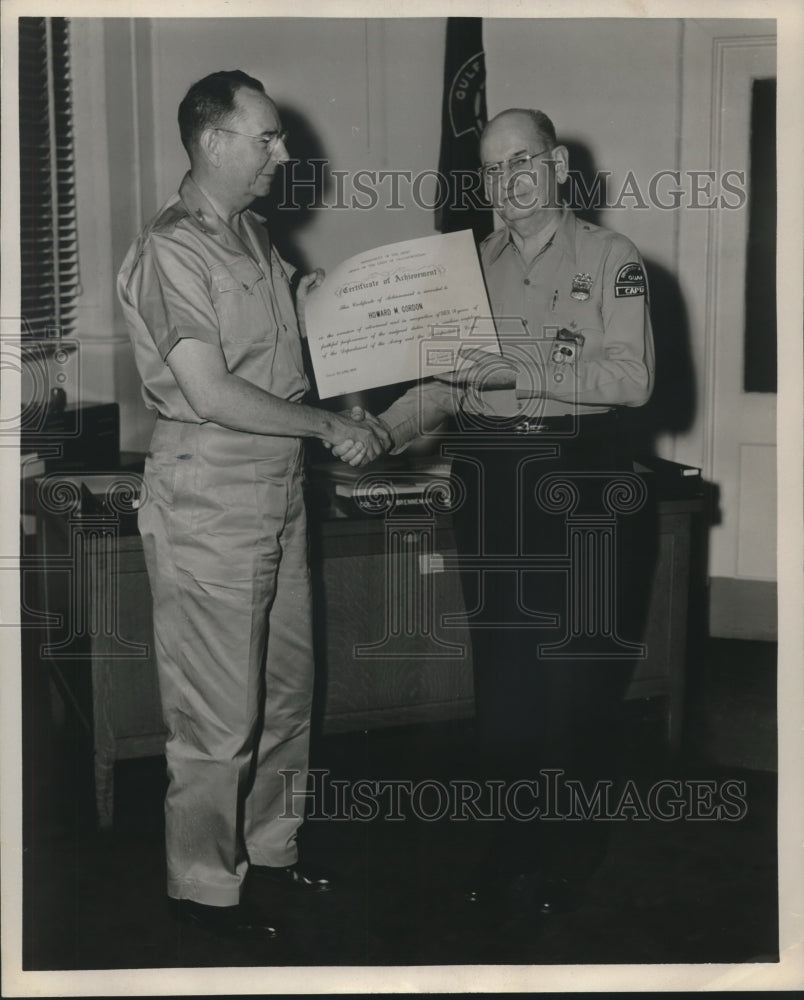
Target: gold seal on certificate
(397, 313)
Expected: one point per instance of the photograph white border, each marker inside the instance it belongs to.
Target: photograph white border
(789, 972)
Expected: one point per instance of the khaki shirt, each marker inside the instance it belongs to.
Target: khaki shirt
(188, 275)
(574, 321)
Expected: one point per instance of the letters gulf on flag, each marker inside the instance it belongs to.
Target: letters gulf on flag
(462, 202)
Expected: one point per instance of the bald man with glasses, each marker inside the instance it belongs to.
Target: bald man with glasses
(211, 315)
(538, 451)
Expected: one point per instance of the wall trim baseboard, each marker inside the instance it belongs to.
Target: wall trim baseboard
(742, 609)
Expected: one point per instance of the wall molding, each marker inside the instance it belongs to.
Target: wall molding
(722, 45)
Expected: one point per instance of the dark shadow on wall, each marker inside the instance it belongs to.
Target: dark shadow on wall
(302, 188)
(671, 409)
(586, 190)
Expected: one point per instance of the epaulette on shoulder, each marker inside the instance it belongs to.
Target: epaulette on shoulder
(601, 233)
(590, 227)
(607, 240)
(167, 220)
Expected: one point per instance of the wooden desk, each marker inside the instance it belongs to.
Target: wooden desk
(384, 654)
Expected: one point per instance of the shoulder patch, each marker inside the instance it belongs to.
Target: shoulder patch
(630, 281)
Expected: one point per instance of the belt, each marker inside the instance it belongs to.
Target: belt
(579, 424)
(175, 420)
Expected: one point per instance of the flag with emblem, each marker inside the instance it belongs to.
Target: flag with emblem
(462, 203)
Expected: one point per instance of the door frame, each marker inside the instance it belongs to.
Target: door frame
(740, 605)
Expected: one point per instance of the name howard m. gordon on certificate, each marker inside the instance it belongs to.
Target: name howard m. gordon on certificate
(397, 313)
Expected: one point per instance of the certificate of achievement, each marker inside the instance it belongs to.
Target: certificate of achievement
(397, 313)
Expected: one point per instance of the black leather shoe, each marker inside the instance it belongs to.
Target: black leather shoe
(486, 885)
(294, 877)
(556, 895)
(548, 895)
(242, 921)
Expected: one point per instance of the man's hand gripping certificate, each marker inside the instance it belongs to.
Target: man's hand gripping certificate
(397, 313)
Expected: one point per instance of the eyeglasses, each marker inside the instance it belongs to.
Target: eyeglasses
(522, 161)
(268, 139)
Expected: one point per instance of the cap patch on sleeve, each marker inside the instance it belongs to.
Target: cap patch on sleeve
(630, 281)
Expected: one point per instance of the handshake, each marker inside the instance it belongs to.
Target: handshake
(356, 437)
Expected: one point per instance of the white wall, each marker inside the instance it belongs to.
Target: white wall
(611, 86)
(108, 181)
(368, 94)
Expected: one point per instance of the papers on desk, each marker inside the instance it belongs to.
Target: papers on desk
(408, 483)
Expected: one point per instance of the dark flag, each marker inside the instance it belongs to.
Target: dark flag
(462, 203)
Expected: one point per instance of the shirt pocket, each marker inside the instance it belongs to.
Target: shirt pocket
(574, 315)
(239, 302)
(584, 319)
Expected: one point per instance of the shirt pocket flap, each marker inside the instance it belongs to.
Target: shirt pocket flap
(238, 275)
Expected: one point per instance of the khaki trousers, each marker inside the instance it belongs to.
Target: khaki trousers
(224, 531)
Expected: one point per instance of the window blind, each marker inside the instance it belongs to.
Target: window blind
(48, 226)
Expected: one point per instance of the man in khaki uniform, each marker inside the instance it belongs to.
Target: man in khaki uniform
(211, 316)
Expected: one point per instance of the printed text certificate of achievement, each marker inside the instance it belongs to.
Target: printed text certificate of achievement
(397, 313)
